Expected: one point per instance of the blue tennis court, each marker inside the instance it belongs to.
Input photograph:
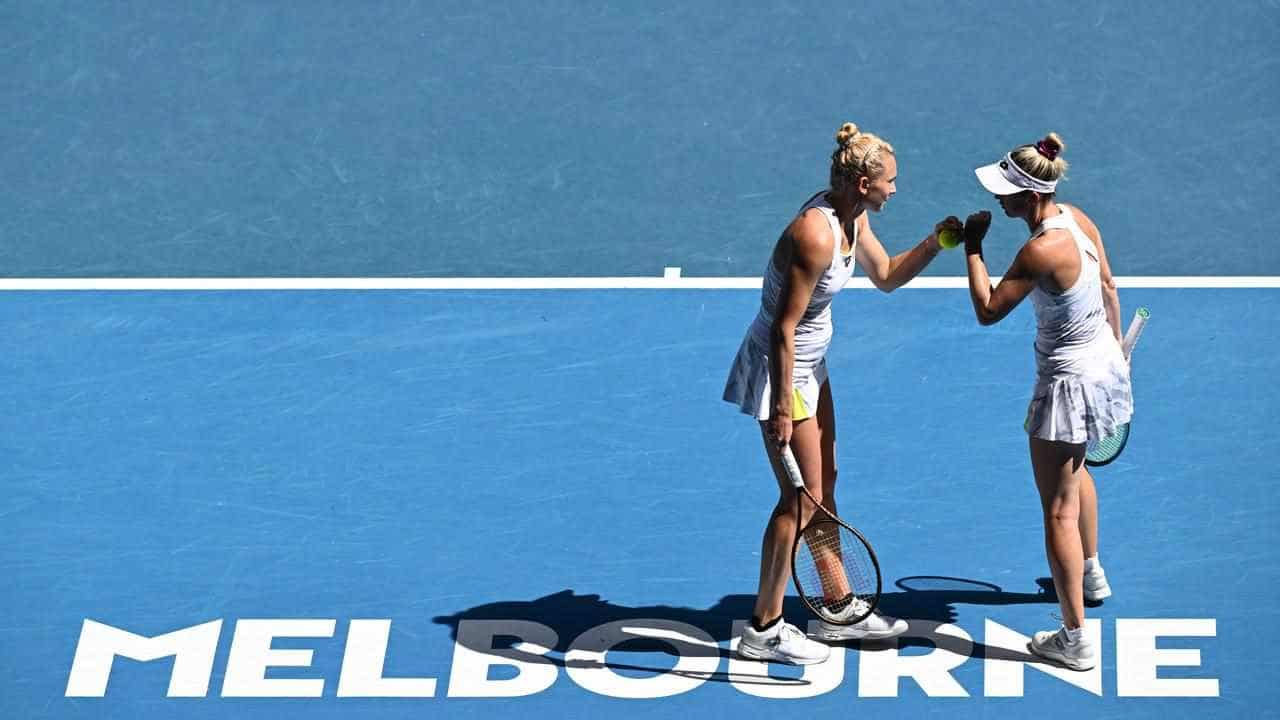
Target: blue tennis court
(436, 459)
(488, 501)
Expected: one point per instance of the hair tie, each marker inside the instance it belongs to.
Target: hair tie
(1044, 149)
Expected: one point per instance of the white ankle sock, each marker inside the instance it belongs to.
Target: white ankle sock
(1073, 636)
(1091, 563)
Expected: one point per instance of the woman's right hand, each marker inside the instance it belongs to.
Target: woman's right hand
(950, 223)
(779, 426)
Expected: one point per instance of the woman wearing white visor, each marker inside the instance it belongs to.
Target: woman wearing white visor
(1082, 380)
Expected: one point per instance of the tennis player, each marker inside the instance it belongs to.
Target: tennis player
(1082, 379)
(779, 376)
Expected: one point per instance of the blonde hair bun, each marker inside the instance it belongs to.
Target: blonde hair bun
(1043, 159)
(857, 154)
(846, 133)
(1054, 140)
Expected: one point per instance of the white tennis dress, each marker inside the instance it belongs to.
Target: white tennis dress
(1082, 390)
(748, 383)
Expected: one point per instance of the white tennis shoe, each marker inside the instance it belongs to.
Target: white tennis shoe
(1052, 645)
(873, 627)
(1096, 588)
(782, 643)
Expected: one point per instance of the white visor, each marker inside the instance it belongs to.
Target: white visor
(1006, 178)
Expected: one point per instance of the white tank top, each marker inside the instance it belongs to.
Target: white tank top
(813, 332)
(1071, 323)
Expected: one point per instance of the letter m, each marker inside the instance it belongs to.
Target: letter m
(192, 649)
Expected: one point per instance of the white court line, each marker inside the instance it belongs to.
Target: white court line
(671, 280)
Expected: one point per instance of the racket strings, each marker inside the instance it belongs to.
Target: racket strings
(1107, 448)
(1107, 445)
(834, 570)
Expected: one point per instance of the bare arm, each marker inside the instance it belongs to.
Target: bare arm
(1110, 293)
(990, 304)
(803, 254)
(890, 273)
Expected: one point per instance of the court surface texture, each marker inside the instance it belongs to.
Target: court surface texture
(344, 379)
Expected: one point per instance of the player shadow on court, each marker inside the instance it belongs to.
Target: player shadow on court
(926, 602)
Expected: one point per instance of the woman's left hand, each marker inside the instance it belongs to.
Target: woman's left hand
(975, 229)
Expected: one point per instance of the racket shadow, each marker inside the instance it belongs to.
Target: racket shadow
(935, 597)
(928, 602)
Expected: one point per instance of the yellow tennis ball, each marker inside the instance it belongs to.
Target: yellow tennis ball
(948, 238)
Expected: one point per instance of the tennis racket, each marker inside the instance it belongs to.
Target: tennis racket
(1103, 451)
(833, 566)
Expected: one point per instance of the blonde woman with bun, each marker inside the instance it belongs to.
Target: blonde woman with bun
(1082, 379)
(779, 376)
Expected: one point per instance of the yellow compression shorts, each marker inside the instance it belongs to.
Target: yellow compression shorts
(799, 408)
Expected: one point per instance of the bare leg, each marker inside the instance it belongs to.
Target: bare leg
(826, 417)
(1057, 469)
(1088, 514)
(835, 586)
(775, 553)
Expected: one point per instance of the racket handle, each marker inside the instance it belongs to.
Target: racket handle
(1135, 330)
(791, 466)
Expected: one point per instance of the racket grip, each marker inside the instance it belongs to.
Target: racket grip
(791, 466)
(1135, 330)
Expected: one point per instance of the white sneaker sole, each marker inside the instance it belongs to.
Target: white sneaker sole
(766, 655)
(1098, 595)
(850, 633)
(1076, 664)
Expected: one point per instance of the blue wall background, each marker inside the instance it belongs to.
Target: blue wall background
(209, 138)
